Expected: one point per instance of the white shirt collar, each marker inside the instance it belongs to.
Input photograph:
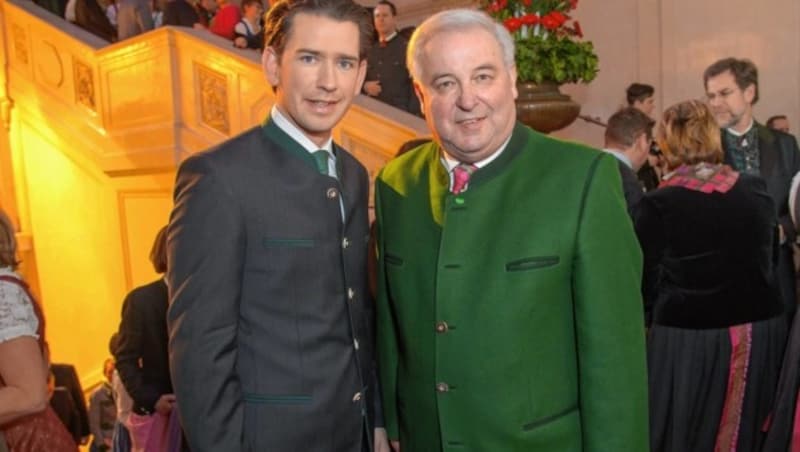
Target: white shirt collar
(450, 163)
(288, 126)
(738, 134)
(391, 36)
(620, 156)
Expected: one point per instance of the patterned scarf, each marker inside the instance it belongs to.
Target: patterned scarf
(703, 177)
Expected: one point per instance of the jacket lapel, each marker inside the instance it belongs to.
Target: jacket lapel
(768, 155)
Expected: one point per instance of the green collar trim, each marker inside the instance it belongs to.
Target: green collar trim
(275, 134)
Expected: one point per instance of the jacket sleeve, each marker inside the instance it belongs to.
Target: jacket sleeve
(129, 351)
(607, 274)
(205, 246)
(386, 340)
(789, 227)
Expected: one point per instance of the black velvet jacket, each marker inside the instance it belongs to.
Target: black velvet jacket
(709, 259)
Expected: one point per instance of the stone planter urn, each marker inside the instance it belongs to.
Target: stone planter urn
(544, 108)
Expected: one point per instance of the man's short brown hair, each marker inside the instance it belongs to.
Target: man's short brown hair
(688, 134)
(625, 126)
(158, 254)
(8, 243)
(278, 21)
(743, 70)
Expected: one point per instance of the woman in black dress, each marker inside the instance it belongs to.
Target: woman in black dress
(716, 337)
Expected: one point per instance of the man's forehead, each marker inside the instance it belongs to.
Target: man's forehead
(307, 28)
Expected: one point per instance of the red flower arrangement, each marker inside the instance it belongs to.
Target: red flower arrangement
(548, 40)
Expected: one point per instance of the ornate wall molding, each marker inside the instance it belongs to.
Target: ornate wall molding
(213, 89)
(20, 43)
(84, 84)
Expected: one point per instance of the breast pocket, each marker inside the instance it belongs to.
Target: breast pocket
(532, 263)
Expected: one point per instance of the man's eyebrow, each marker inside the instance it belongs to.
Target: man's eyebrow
(346, 56)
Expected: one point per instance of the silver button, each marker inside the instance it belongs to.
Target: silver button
(357, 397)
(351, 293)
(332, 193)
(345, 243)
(355, 343)
(442, 327)
(442, 387)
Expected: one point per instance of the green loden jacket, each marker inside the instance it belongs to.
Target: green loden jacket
(510, 316)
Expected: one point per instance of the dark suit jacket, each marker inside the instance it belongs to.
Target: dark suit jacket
(67, 377)
(180, 13)
(269, 317)
(780, 161)
(141, 354)
(388, 65)
(631, 187)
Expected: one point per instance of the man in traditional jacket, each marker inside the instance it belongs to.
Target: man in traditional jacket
(509, 311)
(732, 88)
(270, 326)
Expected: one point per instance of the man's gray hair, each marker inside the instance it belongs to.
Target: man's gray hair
(456, 20)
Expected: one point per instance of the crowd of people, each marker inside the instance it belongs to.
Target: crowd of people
(516, 292)
(116, 20)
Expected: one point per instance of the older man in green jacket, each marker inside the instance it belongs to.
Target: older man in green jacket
(509, 311)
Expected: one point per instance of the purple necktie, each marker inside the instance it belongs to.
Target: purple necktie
(461, 175)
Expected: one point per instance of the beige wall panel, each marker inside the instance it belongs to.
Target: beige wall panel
(138, 89)
(76, 239)
(768, 35)
(616, 44)
(142, 214)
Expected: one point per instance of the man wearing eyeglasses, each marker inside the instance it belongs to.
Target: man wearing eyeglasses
(732, 88)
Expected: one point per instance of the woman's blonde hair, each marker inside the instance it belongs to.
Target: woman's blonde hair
(8, 244)
(688, 134)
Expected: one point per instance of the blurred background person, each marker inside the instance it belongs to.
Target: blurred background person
(248, 33)
(141, 353)
(102, 412)
(26, 419)
(778, 122)
(641, 97)
(709, 238)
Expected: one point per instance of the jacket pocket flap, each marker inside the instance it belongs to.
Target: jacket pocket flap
(392, 259)
(277, 399)
(287, 243)
(531, 263)
(548, 419)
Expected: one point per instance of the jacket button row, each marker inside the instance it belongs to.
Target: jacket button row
(442, 327)
(332, 193)
(345, 243)
(357, 397)
(351, 294)
(442, 387)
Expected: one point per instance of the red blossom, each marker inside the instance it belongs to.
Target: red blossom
(527, 2)
(559, 17)
(493, 7)
(578, 29)
(552, 20)
(512, 24)
(573, 4)
(530, 19)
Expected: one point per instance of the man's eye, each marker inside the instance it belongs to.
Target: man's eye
(346, 64)
(308, 58)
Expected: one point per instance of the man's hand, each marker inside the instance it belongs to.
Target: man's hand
(381, 440)
(372, 87)
(164, 404)
(240, 42)
(395, 446)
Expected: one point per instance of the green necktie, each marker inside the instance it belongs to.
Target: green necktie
(321, 157)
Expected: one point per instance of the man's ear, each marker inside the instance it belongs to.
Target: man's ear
(750, 93)
(271, 65)
(420, 96)
(362, 73)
